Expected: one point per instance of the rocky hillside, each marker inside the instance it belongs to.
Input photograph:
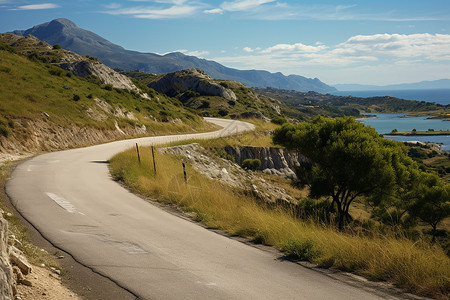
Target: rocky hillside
(79, 65)
(213, 97)
(195, 80)
(44, 107)
(71, 37)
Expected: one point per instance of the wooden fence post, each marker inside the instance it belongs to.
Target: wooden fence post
(184, 173)
(139, 157)
(154, 162)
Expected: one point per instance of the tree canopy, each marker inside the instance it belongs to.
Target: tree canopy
(346, 159)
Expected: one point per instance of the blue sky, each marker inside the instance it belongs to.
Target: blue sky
(367, 42)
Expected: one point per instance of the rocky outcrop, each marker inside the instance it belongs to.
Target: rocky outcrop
(105, 74)
(6, 271)
(273, 160)
(193, 80)
(230, 173)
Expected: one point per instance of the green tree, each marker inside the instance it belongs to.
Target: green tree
(431, 201)
(346, 160)
(251, 164)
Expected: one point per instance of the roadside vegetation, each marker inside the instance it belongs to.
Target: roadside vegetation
(307, 231)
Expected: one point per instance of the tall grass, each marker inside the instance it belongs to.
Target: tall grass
(416, 267)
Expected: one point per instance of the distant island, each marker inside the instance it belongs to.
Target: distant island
(435, 84)
(419, 133)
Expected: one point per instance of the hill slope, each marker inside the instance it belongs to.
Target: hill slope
(67, 34)
(44, 107)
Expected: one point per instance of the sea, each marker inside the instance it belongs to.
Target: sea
(440, 96)
(385, 123)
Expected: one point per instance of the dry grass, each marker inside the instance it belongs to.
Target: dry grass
(416, 267)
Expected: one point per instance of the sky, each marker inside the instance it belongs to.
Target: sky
(377, 42)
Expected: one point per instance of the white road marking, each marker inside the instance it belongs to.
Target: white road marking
(63, 203)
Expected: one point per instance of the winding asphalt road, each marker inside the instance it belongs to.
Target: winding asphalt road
(70, 198)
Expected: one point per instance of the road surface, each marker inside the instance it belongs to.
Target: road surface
(70, 198)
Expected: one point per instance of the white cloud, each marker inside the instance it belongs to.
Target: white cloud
(113, 6)
(214, 11)
(167, 9)
(37, 6)
(295, 48)
(377, 59)
(243, 5)
(197, 53)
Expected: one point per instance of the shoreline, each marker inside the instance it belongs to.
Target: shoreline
(418, 133)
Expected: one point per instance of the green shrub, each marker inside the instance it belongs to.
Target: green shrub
(108, 87)
(251, 164)
(278, 120)
(301, 249)
(93, 79)
(55, 71)
(56, 47)
(76, 97)
(223, 112)
(205, 104)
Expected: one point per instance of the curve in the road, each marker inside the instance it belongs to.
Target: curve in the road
(70, 198)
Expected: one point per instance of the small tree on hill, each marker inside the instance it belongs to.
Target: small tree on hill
(347, 160)
(251, 164)
(431, 201)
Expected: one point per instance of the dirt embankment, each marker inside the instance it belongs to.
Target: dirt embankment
(35, 136)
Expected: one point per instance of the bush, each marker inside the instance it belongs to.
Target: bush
(205, 104)
(108, 87)
(223, 112)
(93, 79)
(55, 71)
(278, 120)
(76, 97)
(56, 47)
(251, 164)
(301, 249)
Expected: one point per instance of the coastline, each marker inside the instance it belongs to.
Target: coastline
(418, 133)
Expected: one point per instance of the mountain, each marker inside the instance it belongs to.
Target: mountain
(422, 85)
(67, 34)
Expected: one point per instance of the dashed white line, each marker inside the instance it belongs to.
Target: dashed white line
(63, 203)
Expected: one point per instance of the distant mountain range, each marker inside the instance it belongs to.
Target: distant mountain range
(423, 85)
(67, 34)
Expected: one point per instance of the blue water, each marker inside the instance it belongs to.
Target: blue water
(441, 96)
(385, 123)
